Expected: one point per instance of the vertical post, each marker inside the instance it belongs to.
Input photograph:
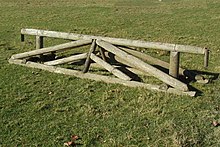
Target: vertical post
(174, 64)
(39, 42)
(22, 37)
(88, 60)
(206, 58)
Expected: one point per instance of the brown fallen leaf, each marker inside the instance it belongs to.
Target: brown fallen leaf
(74, 137)
(70, 143)
(215, 124)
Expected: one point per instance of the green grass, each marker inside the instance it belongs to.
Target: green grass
(38, 108)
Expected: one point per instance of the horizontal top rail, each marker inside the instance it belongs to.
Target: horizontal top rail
(117, 41)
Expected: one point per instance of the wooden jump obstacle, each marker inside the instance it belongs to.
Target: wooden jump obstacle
(137, 62)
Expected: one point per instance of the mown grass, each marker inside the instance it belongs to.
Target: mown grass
(44, 109)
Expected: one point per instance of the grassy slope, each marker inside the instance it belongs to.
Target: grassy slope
(38, 108)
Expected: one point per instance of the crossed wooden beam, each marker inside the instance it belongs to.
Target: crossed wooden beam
(120, 49)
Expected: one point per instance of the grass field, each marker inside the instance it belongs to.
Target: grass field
(38, 108)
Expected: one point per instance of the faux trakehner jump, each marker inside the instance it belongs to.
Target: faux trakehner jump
(102, 52)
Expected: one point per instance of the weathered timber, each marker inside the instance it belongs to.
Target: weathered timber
(206, 57)
(144, 66)
(98, 77)
(52, 49)
(110, 68)
(146, 57)
(155, 61)
(174, 64)
(22, 37)
(87, 62)
(102, 52)
(67, 59)
(201, 79)
(117, 41)
(178, 92)
(115, 59)
(39, 42)
(131, 69)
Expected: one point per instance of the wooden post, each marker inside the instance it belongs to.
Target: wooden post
(155, 61)
(144, 66)
(174, 64)
(206, 58)
(22, 37)
(87, 62)
(39, 42)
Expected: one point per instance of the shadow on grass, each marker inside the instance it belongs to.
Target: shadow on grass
(132, 75)
(194, 76)
(198, 92)
(203, 75)
(213, 76)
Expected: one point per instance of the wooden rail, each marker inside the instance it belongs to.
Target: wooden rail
(52, 49)
(143, 66)
(117, 41)
(67, 59)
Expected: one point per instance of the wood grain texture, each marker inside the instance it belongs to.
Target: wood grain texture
(117, 41)
(156, 61)
(174, 64)
(102, 53)
(131, 69)
(39, 42)
(60, 47)
(110, 68)
(87, 62)
(67, 59)
(143, 66)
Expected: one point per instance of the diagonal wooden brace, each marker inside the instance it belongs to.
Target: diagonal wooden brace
(88, 60)
(144, 66)
(110, 68)
(52, 49)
